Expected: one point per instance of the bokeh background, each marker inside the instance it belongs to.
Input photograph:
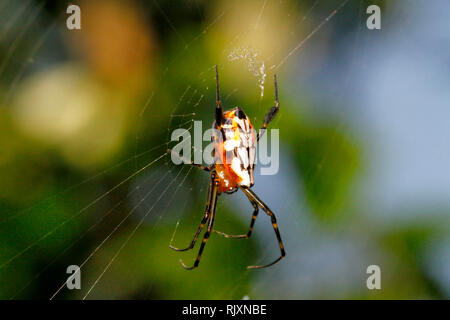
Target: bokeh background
(86, 117)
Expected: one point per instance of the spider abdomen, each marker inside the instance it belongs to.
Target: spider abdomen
(236, 151)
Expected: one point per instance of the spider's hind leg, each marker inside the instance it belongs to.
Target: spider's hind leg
(206, 217)
(211, 214)
(273, 219)
(194, 240)
(252, 223)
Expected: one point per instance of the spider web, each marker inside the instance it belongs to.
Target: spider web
(152, 194)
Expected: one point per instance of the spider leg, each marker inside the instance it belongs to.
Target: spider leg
(185, 161)
(202, 223)
(269, 212)
(250, 230)
(219, 111)
(208, 230)
(272, 112)
(192, 244)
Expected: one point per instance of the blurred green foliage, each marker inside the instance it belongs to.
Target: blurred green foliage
(58, 210)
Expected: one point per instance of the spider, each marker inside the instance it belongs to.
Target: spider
(233, 170)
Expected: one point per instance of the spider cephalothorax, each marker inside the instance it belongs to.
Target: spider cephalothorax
(234, 142)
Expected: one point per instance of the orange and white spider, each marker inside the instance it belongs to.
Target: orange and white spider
(235, 151)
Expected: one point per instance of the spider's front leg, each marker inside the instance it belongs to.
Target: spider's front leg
(219, 111)
(272, 112)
